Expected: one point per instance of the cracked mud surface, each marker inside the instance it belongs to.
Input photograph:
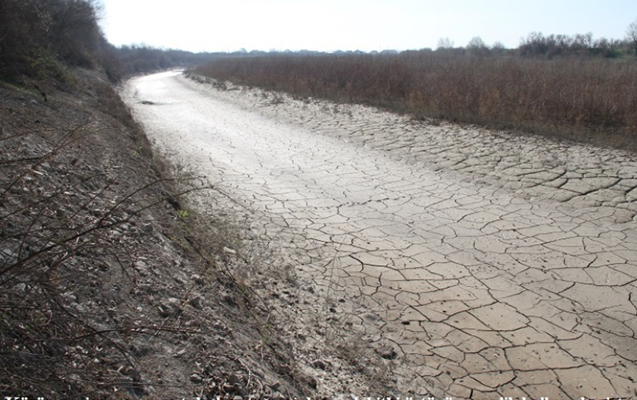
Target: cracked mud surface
(477, 264)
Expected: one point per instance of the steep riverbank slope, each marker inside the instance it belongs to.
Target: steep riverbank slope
(110, 284)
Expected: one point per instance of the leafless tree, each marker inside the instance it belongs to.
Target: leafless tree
(445, 43)
(631, 34)
(498, 48)
(477, 46)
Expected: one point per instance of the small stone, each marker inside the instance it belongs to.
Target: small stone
(147, 229)
(229, 300)
(165, 311)
(234, 379)
(171, 307)
(197, 302)
(312, 382)
(388, 353)
(196, 378)
(320, 365)
(60, 214)
(142, 268)
(229, 250)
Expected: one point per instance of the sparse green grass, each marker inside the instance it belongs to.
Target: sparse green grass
(183, 213)
(582, 98)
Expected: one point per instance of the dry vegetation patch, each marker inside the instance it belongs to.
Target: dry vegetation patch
(581, 98)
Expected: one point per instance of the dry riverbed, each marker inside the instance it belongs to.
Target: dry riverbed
(418, 257)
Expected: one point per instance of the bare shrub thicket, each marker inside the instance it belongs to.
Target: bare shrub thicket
(84, 271)
(570, 96)
(38, 37)
(63, 222)
(42, 249)
(631, 35)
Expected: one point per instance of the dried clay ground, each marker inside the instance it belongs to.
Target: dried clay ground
(414, 257)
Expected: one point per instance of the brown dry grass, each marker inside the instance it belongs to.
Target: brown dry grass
(585, 99)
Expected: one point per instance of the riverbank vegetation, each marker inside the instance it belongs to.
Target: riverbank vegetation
(41, 39)
(571, 87)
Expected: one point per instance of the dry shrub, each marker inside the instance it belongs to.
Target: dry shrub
(577, 97)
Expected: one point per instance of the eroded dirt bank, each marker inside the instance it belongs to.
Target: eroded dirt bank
(109, 287)
(445, 260)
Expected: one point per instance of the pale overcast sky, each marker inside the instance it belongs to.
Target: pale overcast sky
(329, 25)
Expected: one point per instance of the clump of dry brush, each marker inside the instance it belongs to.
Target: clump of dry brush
(63, 216)
(578, 97)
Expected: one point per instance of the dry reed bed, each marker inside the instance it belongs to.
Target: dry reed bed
(580, 98)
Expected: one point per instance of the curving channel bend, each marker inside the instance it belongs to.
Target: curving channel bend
(490, 264)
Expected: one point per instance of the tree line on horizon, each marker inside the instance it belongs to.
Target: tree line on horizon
(135, 59)
(536, 44)
(39, 37)
(572, 87)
